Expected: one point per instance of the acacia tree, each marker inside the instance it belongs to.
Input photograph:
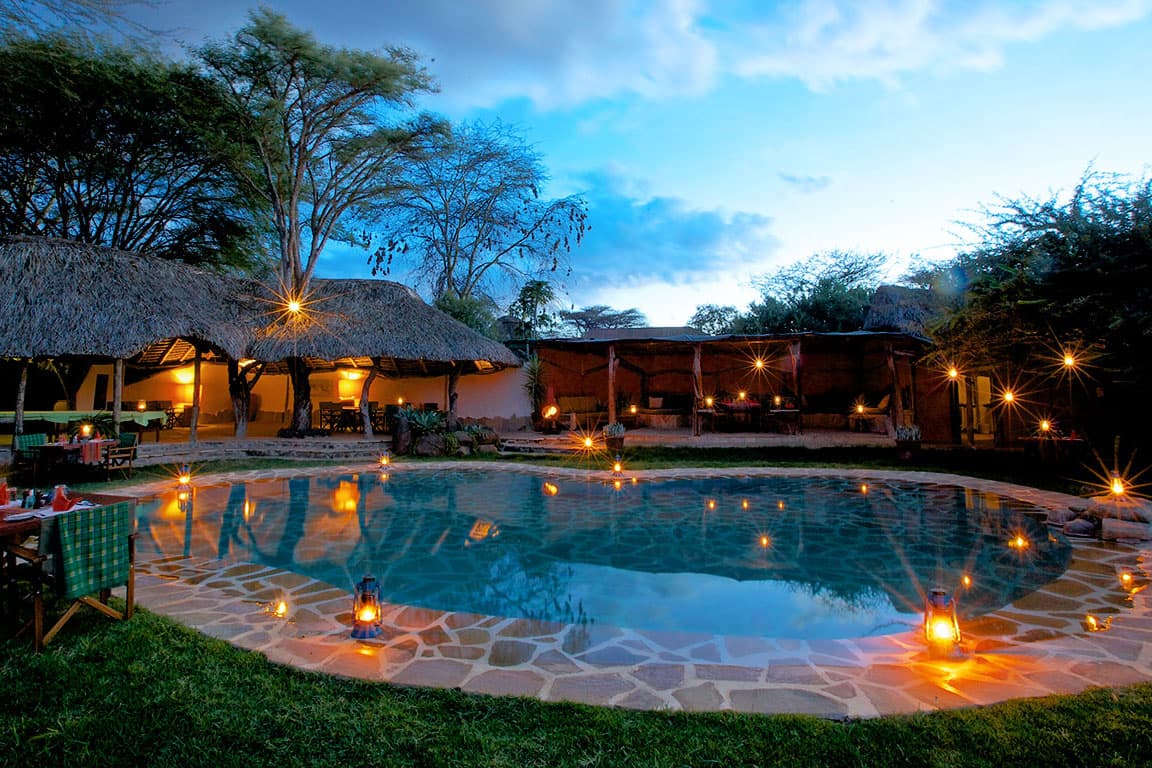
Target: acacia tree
(1070, 272)
(715, 320)
(327, 128)
(602, 316)
(110, 147)
(471, 220)
(826, 292)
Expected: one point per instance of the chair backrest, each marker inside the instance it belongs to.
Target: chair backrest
(129, 439)
(31, 440)
(95, 552)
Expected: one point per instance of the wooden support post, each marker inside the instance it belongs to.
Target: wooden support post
(896, 402)
(794, 354)
(612, 362)
(117, 392)
(195, 397)
(697, 389)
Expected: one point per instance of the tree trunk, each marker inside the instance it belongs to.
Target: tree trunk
(365, 408)
(298, 373)
(241, 397)
(195, 428)
(453, 381)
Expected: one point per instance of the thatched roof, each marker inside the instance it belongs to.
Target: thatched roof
(352, 322)
(61, 298)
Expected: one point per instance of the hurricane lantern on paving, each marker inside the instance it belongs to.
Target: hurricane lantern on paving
(941, 624)
(366, 609)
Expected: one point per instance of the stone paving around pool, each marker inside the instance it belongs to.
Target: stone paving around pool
(1033, 647)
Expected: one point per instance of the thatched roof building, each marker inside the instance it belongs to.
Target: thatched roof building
(62, 298)
(358, 323)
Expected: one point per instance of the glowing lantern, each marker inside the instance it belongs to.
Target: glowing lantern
(1045, 426)
(1069, 360)
(279, 609)
(941, 627)
(633, 410)
(777, 400)
(1018, 542)
(741, 395)
(1117, 485)
(1093, 624)
(1009, 397)
(385, 458)
(294, 306)
(708, 401)
(85, 431)
(551, 411)
(953, 373)
(366, 609)
(617, 467)
(759, 364)
(399, 401)
(185, 476)
(859, 407)
(588, 442)
(1126, 579)
(141, 405)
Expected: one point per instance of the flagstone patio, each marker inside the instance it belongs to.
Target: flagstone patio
(1033, 647)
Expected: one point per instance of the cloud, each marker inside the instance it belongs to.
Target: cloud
(823, 42)
(558, 53)
(637, 240)
(805, 184)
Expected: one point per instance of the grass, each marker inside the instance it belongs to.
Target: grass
(150, 692)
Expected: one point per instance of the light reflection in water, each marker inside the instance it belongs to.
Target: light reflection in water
(783, 557)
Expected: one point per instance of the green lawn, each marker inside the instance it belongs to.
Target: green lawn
(149, 692)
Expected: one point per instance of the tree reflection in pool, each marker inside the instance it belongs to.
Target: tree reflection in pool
(804, 557)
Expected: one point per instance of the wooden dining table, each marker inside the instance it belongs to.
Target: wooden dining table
(50, 456)
(17, 531)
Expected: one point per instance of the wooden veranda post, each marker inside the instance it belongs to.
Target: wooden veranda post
(896, 401)
(117, 392)
(21, 393)
(697, 389)
(794, 355)
(612, 362)
(195, 397)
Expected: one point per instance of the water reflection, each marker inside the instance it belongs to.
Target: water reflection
(805, 557)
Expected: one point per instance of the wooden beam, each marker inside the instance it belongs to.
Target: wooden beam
(612, 363)
(117, 392)
(195, 397)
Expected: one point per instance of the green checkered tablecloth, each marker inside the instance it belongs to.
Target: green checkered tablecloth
(94, 547)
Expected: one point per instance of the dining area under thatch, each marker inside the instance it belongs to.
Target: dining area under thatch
(95, 328)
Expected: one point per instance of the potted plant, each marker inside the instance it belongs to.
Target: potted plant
(614, 436)
(908, 440)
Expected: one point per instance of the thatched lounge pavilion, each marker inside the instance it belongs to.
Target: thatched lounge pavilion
(71, 300)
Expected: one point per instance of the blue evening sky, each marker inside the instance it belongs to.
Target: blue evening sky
(716, 140)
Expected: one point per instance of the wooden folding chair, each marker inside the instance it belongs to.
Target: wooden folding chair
(93, 549)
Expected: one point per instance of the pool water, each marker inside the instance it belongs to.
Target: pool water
(803, 557)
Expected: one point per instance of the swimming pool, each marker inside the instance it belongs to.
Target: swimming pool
(804, 557)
